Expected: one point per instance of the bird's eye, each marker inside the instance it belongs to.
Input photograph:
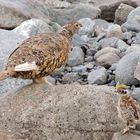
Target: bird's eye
(77, 25)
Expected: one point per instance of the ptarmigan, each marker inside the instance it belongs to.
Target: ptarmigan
(128, 110)
(40, 55)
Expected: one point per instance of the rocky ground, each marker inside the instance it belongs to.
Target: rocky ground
(104, 52)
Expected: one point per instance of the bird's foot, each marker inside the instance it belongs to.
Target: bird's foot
(125, 130)
(41, 81)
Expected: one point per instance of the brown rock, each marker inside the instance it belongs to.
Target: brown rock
(108, 8)
(108, 59)
(70, 112)
(122, 13)
(105, 51)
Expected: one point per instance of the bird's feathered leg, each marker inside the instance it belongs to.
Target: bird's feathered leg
(41, 80)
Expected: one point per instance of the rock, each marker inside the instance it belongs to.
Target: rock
(8, 43)
(70, 78)
(76, 57)
(71, 112)
(57, 3)
(125, 69)
(13, 13)
(98, 76)
(51, 80)
(127, 37)
(136, 94)
(89, 65)
(32, 27)
(74, 13)
(79, 68)
(138, 38)
(108, 8)
(85, 38)
(114, 30)
(94, 44)
(106, 60)
(133, 48)
(77, 40)
(113, 67)
(105, 51)
(100, 26)
(91, 51)
(89, 58)
(132, 23)
(10, 17)
(87, 26)
(114, 43)
(137, 71)
(122, 12)
(127, 136)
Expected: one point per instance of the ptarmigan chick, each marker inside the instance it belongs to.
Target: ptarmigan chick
(40, 55)
(128, 111)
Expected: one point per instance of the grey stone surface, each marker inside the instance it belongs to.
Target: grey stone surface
(70, 112)
(122, 12)
(136, 94)
(79, 68)
(74, 13)
(76, 57)
(77, 40)
(87, 26)
(133, 48)
(34, 26)
(126, 67)
(114, 43)
(132, 23)
(98, 76)
(69, 78)
(127, 136)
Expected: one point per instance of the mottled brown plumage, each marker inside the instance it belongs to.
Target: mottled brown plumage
(40, 55)
(128, 111)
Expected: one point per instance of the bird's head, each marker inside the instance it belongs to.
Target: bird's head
(72, 27)
(121, 88)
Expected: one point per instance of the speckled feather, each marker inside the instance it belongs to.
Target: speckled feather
(128, 109)
(49, 51)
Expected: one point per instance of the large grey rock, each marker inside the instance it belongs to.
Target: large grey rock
(15, 12)
(9, 42)
(34, 26)
(98, 76)
(87, 26)
(70, 112)
(76, 57)
(69, 78)
(114, 30)
(127, 136)
(122, 12)
(113, 42)
(136, 94)
(133, 48)
(74, 13)
(132, 23)
(125, 69)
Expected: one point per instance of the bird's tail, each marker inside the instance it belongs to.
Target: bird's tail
(5, 74)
